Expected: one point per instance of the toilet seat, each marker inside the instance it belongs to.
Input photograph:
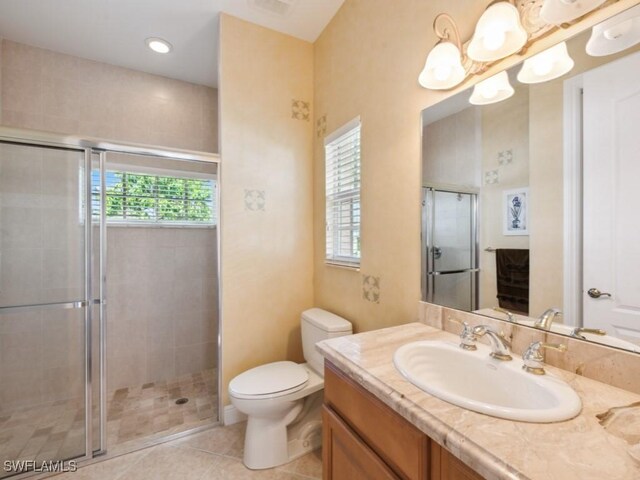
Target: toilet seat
(268, 381)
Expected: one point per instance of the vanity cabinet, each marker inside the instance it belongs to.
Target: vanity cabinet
(366, 440)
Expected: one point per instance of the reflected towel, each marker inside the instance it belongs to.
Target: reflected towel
(512, 267)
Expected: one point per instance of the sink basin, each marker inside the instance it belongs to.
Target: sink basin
(475, 381)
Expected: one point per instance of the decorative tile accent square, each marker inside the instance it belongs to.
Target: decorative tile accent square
(371, 288)
(491, 177)
(300, 110)
(505, 157)
(321, 126)
(255, 200)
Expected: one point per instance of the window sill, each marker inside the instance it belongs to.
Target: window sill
(343, 266)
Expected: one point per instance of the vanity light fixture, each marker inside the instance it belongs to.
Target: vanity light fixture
(616, 34)
(158, 45)
(443, 68)
(558, 12)
(499, 33)
(552, 63)
(492, 90)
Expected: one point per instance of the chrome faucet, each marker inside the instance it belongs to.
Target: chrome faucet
(534, 358)
(578, 331)
(499, 344)
(509, 315)
(546, 319)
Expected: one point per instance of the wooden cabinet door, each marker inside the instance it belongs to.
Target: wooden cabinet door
(444, 466)
(346, 456)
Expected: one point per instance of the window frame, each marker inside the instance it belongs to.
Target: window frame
(160, 172)
(330, 257)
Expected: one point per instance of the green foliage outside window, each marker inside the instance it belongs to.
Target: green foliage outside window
(153, 198)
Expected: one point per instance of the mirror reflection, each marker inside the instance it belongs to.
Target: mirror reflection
(529, 192)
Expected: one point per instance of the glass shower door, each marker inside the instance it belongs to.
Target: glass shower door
(45, 307)
(450, 242)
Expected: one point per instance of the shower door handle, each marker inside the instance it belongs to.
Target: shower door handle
(44, 306)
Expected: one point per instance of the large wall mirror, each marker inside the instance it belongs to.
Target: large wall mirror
(530, 190)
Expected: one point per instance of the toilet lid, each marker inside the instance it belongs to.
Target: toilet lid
(269, 379)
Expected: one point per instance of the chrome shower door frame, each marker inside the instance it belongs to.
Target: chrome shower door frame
(428, 270)
(100, 148)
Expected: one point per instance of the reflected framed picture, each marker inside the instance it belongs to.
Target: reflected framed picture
(516, 211)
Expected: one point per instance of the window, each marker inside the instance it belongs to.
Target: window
(148, 198)
(342, 160)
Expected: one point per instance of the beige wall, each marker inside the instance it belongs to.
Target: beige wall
(452, 150)
(505, 126)
(163, 303)
(367, 63)
(45, 90)
(266, 147)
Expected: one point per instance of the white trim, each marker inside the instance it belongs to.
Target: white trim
(572, 214)
(342, 130)
(233, 415)
(158, 172)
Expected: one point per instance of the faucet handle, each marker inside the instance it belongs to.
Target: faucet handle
(510, 317)
(534, 358)
(468, 336)
(578, 331)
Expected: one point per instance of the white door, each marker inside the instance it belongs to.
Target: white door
(612, 198)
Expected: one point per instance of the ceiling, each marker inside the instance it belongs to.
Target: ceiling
(114, 31)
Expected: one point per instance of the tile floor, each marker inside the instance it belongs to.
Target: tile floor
(135, 415)
(215, 454)
(150, 410)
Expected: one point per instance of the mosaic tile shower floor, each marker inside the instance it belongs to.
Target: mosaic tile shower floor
(135, 415)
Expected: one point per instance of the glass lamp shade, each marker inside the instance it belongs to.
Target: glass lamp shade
(615, 34)
(562, 11)
(492, 90)
(443, 68)
(499, 33)
(552, 63)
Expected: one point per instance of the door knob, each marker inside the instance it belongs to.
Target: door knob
(595, 293)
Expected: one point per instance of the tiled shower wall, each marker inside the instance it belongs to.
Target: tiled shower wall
(162, 307)
(50, 91)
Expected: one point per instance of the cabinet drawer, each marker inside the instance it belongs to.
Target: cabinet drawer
(345, 456)
(396, 441)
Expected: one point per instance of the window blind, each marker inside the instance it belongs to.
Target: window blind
(142, 198)
(342, 183)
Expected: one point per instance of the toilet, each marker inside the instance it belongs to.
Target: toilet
(282, 400)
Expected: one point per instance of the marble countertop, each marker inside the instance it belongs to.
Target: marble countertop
(579, 449)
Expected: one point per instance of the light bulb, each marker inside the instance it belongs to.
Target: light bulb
(618, 30)
(494, 39)
(443, 68)
(492, 90)
(542, 67)
(158, 45)
(442, 72)
(488, 92)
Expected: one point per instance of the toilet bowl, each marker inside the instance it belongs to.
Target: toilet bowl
(282, 400)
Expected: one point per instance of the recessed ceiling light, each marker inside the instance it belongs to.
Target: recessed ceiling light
(158, 45)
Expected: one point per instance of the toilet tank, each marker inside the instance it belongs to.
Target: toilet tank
(318, 325)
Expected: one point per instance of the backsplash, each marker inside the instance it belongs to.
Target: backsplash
(598, 362)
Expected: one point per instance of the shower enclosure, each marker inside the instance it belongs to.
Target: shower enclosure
(450, 241)
(108, 297)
